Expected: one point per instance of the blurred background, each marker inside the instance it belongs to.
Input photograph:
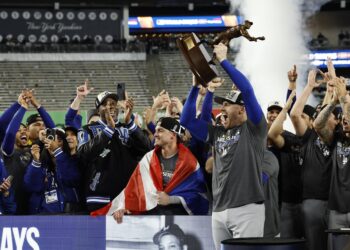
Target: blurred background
(53, 46)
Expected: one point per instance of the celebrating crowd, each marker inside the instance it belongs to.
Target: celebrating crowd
(253, 177)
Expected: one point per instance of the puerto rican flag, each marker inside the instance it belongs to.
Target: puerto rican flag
(140, 194)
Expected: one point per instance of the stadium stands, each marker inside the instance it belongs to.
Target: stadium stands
(55, 82)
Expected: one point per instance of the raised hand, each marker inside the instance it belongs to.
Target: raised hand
(330, 68)
(83, 90)
(129, 106)
(220, 51)
(311, 81)
(146, 115)
(35, 150)
(215, 83)
(339, 87)
(177, 104)
(50, 145)
(23, 100)
(292, 74)
(161, 101)
(31, 97)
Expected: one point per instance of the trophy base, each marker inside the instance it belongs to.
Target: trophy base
(198, 59)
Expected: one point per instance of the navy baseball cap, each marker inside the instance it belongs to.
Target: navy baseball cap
(309, 110)
(33, 118)
(171, 124)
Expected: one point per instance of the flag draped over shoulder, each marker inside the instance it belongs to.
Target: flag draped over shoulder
(140, 194)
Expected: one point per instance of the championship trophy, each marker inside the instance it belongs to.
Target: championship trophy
(201, 63)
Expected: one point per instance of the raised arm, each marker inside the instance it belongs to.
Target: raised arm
(72, 118)
(49, 123)
(254, 111)
(292, 77)
(10, 138)
(299, 123)
(344, 98)
(197, 128)
(276, 129)
(160, 101)
(207, 105)
(6, 117)
(327, 77)
(320, 123)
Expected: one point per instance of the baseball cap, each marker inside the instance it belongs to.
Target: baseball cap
(275, 105)
(309, 110)
(33, 118)
(233, 97)
(71, 128)
(103, 96)
(172, 229)
(171, 124)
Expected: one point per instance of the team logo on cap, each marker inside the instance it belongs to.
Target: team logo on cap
(233, 96)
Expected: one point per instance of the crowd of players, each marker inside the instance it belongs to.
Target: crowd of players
(254, 178)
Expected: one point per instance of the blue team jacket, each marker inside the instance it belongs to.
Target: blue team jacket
(50, 190)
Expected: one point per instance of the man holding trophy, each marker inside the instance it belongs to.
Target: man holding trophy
(238, 199)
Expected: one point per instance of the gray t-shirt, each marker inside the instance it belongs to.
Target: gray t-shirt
(238, 157)
(272, 217)
(168, 167)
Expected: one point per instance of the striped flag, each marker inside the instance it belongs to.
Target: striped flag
(140, 194)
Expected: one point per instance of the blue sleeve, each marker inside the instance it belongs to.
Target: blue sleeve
(69, 117)
(10, 136)
(254, 111)
(6, 117)
(293, 102)
(46, 118)
(66, 169)
(197, 128)
(151, 127)
(207, 107)
(34, 177)
(131, 126)
(78, 121)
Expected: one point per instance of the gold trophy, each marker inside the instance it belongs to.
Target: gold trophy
(201, 63)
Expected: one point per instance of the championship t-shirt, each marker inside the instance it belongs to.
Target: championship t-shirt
(238, 154)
